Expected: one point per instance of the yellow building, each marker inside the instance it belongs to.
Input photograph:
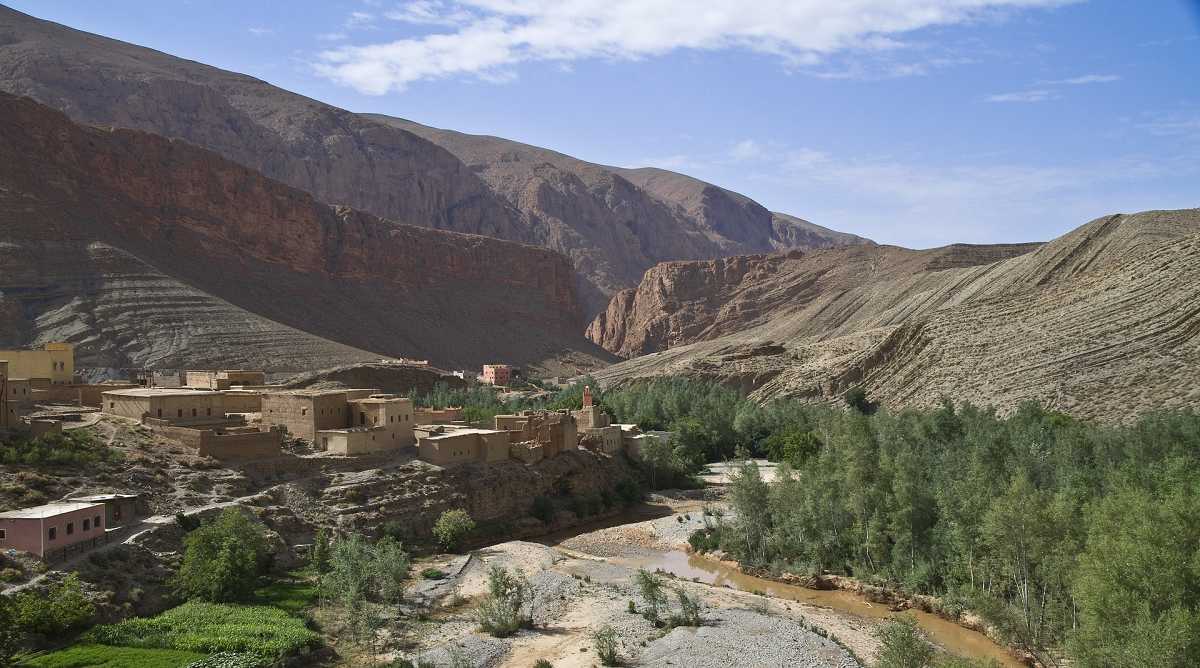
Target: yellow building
(54, 361)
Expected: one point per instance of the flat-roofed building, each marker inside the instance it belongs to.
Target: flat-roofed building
(54, 529)
(376, 423)
(119, 509)
(423, 415)
(4, 415)
(447, 445)
(222, 379)
(177, 406)
(496, 374)
(554, 431)
(54, 361)
(305, 412)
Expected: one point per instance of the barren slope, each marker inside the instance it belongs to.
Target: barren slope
(241, 240)
(1103, 322)
(612, 229)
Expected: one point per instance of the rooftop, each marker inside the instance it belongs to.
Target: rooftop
(47, 510)
(461, 431)
(159, 392)
(97, 498)
(313, 392)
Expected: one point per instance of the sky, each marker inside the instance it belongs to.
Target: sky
(912, 122)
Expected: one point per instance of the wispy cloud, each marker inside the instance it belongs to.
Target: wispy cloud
(360, 19)
(490, 35)
(1083, 80)
(1035, 95)
(747, 149)
(332, 36)
(259, 32)
(1185, 125)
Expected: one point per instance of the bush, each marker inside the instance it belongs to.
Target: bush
(689, 610)
(542, 663)
(543, 509)
(433, 574)
(606, 646)
(652, 590)
(629, 492)
(903, 645)
(74, 448)
(62, 608)
(507, 607)
(320, 552)
(705, 540)
(453, 528)
(269, 634)
(223, 559)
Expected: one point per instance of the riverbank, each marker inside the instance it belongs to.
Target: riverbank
(844, 608)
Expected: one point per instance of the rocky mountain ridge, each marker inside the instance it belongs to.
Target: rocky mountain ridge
(1101, 322)
(239, 258)
(613, 224)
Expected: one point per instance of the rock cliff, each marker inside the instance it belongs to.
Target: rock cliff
(238, 247)
(1102, 322)
(616, 223)
(613, 224)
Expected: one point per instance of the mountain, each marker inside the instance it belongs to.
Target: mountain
(150, 251)
(1102, 322)
(616, 223)
(613, 224)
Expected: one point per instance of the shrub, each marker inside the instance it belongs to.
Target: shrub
(689, 610)
(320, 552)
(62, 608)
(903, 645)
(606, 646)
(76, 448)
(507, 607)
(543, 509)
(188, 523)
(629, 492)
(223, 559)
(433, 574)
(452, 528)
(542, 663)
(705, 540)
(652, 590)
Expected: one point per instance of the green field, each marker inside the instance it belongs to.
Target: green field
(294, 596)
(266, 632)
(104, 656)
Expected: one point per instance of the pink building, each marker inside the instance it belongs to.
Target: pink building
(497, 374)
(54, 529)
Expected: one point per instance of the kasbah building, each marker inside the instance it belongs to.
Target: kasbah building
(235, 416)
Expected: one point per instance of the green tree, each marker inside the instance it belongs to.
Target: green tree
(452, 529)
(11, 636)
(903, 645)
(223, 559)
(750, 532)
(62, 607)
(320, 552)
(391, 565)
(1138, 581)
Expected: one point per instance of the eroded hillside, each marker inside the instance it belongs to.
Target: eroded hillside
(1102, 322)
(232, 261)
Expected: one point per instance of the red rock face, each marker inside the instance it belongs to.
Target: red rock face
(276, 251)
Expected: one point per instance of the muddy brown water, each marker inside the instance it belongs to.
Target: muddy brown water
(954, 638)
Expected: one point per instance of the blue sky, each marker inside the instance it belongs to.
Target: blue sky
(915, 122)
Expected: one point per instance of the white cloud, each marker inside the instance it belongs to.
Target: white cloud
(430, 12)
(1036, 95)
(747, 149)
(332, 36)
(258, 32)
(490, 35)
(1085, 79)
(360, 19)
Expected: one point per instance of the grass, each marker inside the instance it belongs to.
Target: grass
(268, 633)
(293, 596)
(104, 656)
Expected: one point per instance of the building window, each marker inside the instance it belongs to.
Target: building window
(193, 412)
(70, 528)
(117, 513)
(208, 411)
(51, 533)
(87, 524)
(304, 411)
(179, 412)
(96, 522)
(160, 412)
(362, 418)
(3, 534)
(112, 404)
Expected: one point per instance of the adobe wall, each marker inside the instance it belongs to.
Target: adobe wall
(304, 415)
(243, 402)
